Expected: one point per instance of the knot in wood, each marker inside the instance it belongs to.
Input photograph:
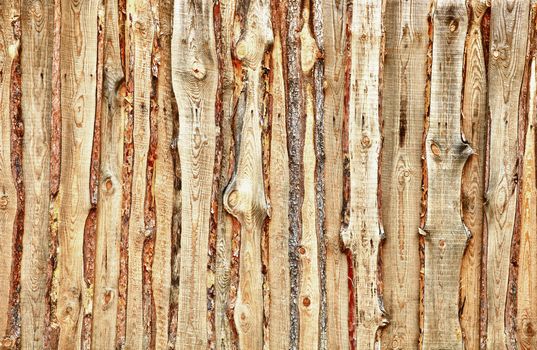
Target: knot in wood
(365, 142)
(4, 200)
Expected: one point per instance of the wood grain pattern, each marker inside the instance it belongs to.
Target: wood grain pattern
(9, 58)
(164, 178)
(403, 114)
(509, 31)
(140, 21)
(526, 308)
(335, 22)
(194, 72)
(474, 128)
(446, 154)
(245, 197)
(78, 86)
(36, 28)
(278, 225)
(363, 232)
(108, 235)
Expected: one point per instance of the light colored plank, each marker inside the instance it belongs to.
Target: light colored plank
(195, 77)
(163, 180)
(337, 291)
(278, 227)
(108, 235)
(36, 66)
(362, 234)
(509, 33)
(78, 85)
(245, 197)
(403, 111)
(446, 154)
(9, 60)
(474, 128)
(527, 263)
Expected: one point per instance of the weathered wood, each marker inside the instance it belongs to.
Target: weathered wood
(194, 71)
(335, 23)
(9, 168)
(36, 67)
(526, 308)
(164, 178)
(509, 32)
(403, 111)
(141, 29)
(110, 190)
(223, 301)
(245, 197)
(446, 154)
(278, 226)
(78, 100)
(362, 234)
(474, 128)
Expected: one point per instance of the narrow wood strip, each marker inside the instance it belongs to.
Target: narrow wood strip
(194, 71)
(108, 234)
(474, 128)
(78, 86)
(36, 59)
(403, 113)
(244, 197)
(446, 154)
(509, 33)
(362, 233)
(164, 178)
(334, 26)
(140, 21)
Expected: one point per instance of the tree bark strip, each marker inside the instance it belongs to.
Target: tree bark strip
(108, 235)
(474, 128)
(446, 154)
(334, 27)
(403, 113)
(194, 71)
(363, 232)
(509, 32)
(36, 59)
(78, 86)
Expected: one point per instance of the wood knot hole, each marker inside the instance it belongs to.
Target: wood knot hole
(3, 202)
(306, 302)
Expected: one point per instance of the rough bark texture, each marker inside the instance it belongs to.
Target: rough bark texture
(446, 153)
(219, 174)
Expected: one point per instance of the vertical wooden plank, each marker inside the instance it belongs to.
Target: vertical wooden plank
(10, 168)
(474, 128)
(194, 72)
(78, 85)
(527, 273)
(509, 32)
(278, 226)
(405, 69)
(244, 197)
(141, 30)
(108, 235)
(36, 59)
(362, 233)
(334, 27)
(225, 230)
(163, 179)
(446, 154)
(309, 297)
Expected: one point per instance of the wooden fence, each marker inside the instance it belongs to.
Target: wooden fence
(276, 174)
